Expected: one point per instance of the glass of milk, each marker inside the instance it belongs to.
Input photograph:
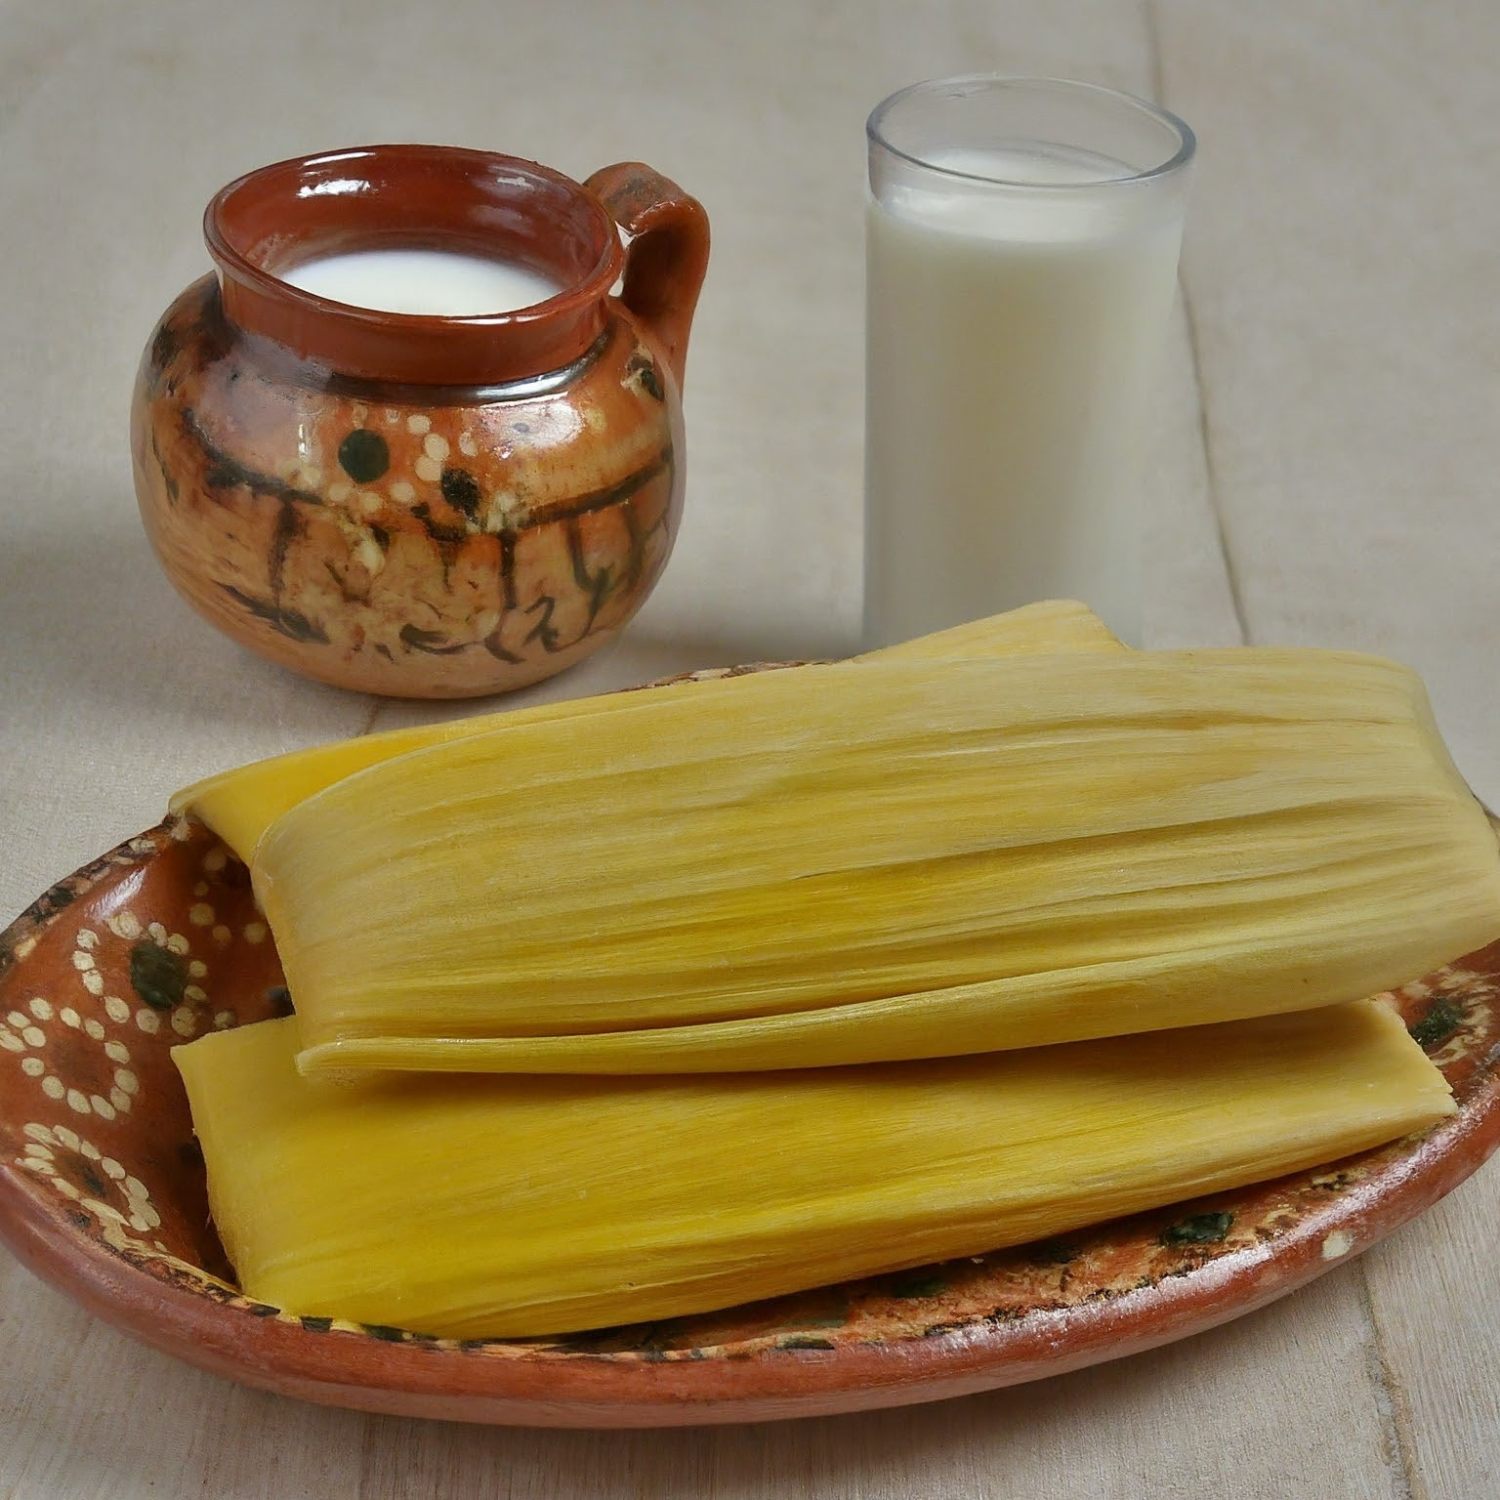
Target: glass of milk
(1022, 242)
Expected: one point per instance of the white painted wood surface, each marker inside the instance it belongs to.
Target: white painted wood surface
(1324, 471)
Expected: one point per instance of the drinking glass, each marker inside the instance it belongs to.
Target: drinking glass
(1022, 243)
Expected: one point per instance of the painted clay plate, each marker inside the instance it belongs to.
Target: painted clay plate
(102, 1193)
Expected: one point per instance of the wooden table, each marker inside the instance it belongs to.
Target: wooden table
(1323, 471)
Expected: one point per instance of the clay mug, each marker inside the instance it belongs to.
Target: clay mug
(416, 505)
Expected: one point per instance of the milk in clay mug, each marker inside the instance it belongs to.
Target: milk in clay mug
(441, 501)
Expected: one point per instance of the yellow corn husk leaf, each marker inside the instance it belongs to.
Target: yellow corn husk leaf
(1040, 629)
(908, 859)
(239, 805)
(497, 1207)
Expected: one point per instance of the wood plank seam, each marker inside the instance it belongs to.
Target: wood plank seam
(1205, 432)
(1398, 1437)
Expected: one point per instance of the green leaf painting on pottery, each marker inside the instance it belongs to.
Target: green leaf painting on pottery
(1199, 1229)
(918, 1284)
(157, 976)
(461, 491)
(1443, 1018)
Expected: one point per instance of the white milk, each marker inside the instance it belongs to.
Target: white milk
(442, 283)
(1011, 335)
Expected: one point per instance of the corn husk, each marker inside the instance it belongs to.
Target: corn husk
(240, 804)
(507, 1206)
(907, 859)
(1040, 629)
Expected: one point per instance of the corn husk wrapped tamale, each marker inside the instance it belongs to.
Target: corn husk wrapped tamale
(240, 804)
(901, 859)
(488, 1206)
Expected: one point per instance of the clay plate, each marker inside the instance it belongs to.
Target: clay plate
(102, 1193)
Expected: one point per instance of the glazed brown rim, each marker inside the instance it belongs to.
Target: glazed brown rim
(537, 1384)
(405, 196)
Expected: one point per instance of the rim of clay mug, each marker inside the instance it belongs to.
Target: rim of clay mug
(407, 197)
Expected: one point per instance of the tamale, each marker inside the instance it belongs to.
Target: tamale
(910, 859)
(240, 804)
(506, 1206)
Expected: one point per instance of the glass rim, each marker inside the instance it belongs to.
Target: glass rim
(1187, 142)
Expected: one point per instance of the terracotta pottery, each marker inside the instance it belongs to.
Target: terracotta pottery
(423, 506)
(102, 1193)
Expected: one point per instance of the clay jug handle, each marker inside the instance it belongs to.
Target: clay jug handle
(666, 259)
